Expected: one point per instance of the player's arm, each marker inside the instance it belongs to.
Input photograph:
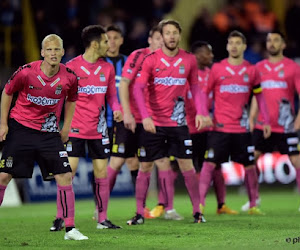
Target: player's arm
(129, 121)
(297, 86)
(69, 112)
(112, 97)
(200, 98)
(5, 106)
(253, 113)
(14, 84)
(138, 91)
(262, 106)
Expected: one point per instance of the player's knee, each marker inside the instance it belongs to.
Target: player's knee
(5, 178)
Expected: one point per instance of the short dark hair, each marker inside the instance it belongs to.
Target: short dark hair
(91, 33)
(153, 30)
(114, 27)
(165, 22)
(236, 33)
(279, 33)
(199, 44)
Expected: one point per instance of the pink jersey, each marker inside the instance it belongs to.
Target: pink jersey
(96, 80)
(41, 98)
(190, 105)
(167, 79)
(130, 70)
(279, 82)
(232, 86)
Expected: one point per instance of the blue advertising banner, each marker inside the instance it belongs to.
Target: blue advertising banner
(38, 190)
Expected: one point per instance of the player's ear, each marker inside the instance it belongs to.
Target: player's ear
(42, 53)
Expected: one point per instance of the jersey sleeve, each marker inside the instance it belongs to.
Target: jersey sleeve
(193, 76)
(256, 81)
(132, 65)
(297, 79)
(72, 94)
(112, 97)
(211, 81)
(16, 81)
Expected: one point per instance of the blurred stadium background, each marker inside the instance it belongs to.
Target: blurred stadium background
(24, 23)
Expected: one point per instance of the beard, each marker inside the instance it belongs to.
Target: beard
(171, 48)
(274, 52)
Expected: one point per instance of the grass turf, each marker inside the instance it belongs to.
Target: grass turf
(28, 226)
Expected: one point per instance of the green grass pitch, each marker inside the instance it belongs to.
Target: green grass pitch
(27, 227)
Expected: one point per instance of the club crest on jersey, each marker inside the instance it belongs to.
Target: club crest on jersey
(9, 162)
(102, 77)
(281, 73)
(181, 69)
(246, 77)
(58, 89)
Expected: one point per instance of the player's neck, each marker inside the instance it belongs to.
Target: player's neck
(49, 70)
(90, 56)
(112, 54)
(235, 61)
(275, 59)
(170, 53)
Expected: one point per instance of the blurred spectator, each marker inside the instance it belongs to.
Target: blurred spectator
(293, 33)
(254, 51)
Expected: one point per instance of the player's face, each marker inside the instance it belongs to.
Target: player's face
(52, 52)
(275, 44)
(155, 41)
(236, 47)
(204, 55)
(115, 40)
(103, 45)
(171, 36)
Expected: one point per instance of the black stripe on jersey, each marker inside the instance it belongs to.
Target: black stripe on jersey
(19, 70)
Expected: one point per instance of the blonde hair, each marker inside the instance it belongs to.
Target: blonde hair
(52, 37)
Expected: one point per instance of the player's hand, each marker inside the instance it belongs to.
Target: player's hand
(149, 125)
(3, 132)
(203, 121)
(118, 117)
(251, 124)
(267, 131)
(129, 122)
(64, 135)
(297, 123)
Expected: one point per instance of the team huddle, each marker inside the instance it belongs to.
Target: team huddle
(166, 105)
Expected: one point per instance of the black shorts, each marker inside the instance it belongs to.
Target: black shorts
(237, 147)
(125, 143)
(23, 146)
(199, 149)
(283, 143)
(167, 141)
(96, 148)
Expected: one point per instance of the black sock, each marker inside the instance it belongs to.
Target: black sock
(69, 229)
(220, 205)
(134, 174)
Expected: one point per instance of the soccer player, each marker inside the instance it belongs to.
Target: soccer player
(167, 71)
(204, 55)
(32, 132)
(127, 141)
(232, 81)
(280, 79)
(96, 81)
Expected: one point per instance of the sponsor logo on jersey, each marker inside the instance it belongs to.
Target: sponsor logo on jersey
(92, 90)
(188, 143)
(169, 81)
(105, 141)
(63, 154)
(246, 77)
(75, 130)
(234, 88)
(36, 88)
(272, 84)
(42, 101)
(292, 140)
